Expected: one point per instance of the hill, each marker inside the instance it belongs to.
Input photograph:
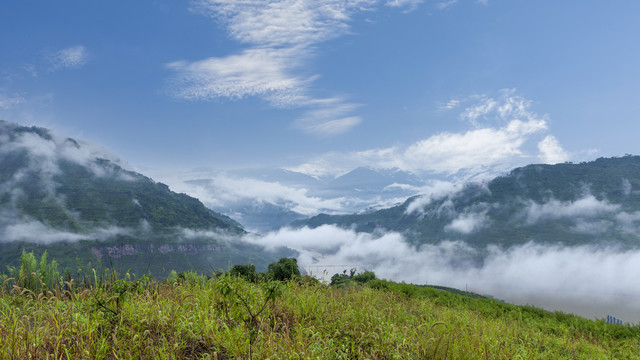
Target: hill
(82, 204)
(592, 203)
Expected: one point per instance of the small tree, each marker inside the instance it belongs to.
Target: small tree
(284, 269)
(246, 271)
(49, 274)
(365, 277)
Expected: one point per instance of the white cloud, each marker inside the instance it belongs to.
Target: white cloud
(329, 117)
(587, 206)
(630, 222)
(29, 230)
(281, 36)
(7, 102)
(432, 192)
(445, 4)
(505, 107)
(70, 58)
(474, 152)
(223, 190)
(283, 23)
(468, 222)
(551, 152)
(450, 152)
(255, 72)
(334, 127)
(451, 104)
(44, 151)
(483, 151)
(410, 4)
(626, 187)
(47, 151)
(472, 114)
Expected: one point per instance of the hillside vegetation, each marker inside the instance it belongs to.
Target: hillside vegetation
(591, 203)
(226, 316)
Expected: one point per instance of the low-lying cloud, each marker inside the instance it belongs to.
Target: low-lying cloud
(467, 223)
(21, 228)
(223, 190)
(588, 206)
(592, 281)
(45, 149)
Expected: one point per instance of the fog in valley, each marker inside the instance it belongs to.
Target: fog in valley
(589, 281)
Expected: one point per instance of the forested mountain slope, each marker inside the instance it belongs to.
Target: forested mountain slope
(82, 204)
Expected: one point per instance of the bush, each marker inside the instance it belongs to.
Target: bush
(362, 278)
(247, 272)
(284, 269)
(365, 277)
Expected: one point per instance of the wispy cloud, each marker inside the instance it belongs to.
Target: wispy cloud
(445, 4)
(45, 150)
(330, 117)
(409, 4)
(9, 101)
(281, 36)
(254, 72)
(451, 104)
(70, 58)
(35, 231)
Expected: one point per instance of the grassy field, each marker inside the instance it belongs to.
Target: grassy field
(196, 317)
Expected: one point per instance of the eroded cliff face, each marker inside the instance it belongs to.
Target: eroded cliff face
(118, 251)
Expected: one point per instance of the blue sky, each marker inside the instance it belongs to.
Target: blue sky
(325, 86)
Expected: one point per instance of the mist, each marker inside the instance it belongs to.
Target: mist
(586, 280)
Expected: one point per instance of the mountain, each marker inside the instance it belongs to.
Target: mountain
(595, 203)
(266, 199)
(82, 204)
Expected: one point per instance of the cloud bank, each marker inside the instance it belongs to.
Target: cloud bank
(591, 281)
(224, 189)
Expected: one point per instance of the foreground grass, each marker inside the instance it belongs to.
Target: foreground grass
(220, 319)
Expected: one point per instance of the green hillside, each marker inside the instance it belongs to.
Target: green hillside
(79, 203)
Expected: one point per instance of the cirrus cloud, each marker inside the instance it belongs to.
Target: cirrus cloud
(70, 58)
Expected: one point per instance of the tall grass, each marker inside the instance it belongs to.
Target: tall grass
(196, 317)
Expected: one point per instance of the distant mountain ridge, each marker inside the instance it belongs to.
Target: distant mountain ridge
(594, 202)
(73, 198)
(270, 198)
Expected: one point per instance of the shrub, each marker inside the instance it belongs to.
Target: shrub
(245, 271)
(284, 269)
